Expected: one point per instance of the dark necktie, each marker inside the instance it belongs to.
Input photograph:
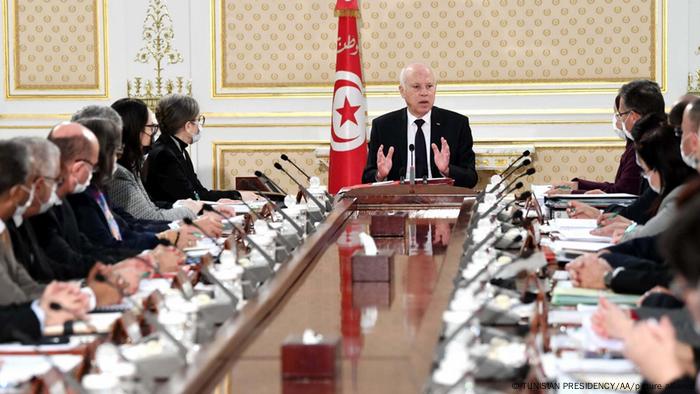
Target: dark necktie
(421, 157)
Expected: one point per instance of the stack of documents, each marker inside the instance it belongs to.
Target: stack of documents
(575, 236)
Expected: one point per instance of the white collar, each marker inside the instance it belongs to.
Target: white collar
(2, 226)
(412, 119)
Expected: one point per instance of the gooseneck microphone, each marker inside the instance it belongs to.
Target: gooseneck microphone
(522, 197)
(525, 163)
(502, 195)
(205, 270)
(286, 158)
(526, 153)
(529, 171)
(412, 167)
(244, 236)
(304, 190)
(287, 245)
(270, 183)
(148, 315)
(297, 227)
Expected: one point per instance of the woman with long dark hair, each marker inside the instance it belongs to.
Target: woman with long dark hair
(125, 188)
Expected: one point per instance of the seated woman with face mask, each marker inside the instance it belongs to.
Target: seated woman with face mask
(125, 188)
(171, 175)
(658, 155)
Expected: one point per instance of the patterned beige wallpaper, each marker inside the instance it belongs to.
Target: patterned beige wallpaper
(56, 44)
(553, 164)
(232, 159)
(292, 43)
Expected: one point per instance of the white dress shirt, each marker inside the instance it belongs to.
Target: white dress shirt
(411, 137)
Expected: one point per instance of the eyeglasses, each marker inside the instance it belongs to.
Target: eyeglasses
(201, 119)
(619, 115)
(154, 129)
(93, 166)
(57, 180)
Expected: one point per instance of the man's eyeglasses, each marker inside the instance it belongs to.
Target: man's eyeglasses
(201, 119)
(154, 129)
(57, 180)
(91, 164)
(619, 115)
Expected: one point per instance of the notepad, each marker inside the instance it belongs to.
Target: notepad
(580, 246)
(581, 235)
(563, 295)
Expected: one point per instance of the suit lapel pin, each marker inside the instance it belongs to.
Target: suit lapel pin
(437, 123)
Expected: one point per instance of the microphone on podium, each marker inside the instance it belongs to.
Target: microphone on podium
(304, 190)
(270, 183)
(412, 167)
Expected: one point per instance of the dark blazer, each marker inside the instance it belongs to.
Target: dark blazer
(40, 266)
(390, 130)
(59, 236)
(93, 223)
(640, 210)
(18, 317)
(171, 175)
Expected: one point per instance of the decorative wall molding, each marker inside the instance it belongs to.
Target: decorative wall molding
(55, 50)
(272, 49)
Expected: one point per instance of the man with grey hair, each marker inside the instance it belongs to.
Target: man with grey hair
(98, 111)
(46, 177)
(436, 141)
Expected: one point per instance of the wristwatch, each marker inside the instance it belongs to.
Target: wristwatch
(610, 275)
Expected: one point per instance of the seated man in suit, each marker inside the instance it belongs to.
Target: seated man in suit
(16, 195)
(634, 100)
(25, 322)
(442, 139)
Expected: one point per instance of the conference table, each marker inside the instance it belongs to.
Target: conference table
(387, 332)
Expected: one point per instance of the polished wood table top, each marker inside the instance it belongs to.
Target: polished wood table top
(386, 348)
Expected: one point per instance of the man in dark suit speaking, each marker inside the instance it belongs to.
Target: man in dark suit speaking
(442, 139)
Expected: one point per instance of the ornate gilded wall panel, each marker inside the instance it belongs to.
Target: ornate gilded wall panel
(292, 43)
(232, 159)
(55, 49)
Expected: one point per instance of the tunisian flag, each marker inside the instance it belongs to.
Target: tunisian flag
(348, 127)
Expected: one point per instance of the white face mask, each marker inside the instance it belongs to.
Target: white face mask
(627, 133)
(197, 136)
(53, 199)
(81, 187)
(17, 217)
(656, 189)
(620, 134)
(689, 160)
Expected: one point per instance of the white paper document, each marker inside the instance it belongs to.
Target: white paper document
(17, 369)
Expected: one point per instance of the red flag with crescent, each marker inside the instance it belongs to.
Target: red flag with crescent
(349, 116)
